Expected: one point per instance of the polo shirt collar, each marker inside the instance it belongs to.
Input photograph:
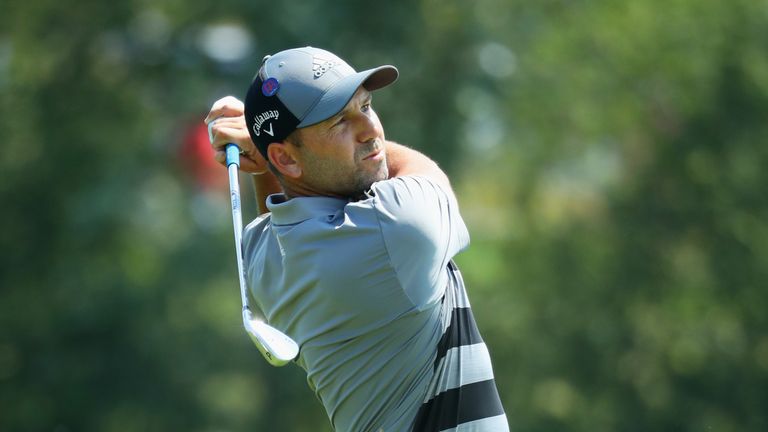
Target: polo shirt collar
(299, 209)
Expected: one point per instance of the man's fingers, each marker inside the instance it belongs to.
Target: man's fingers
(228, 101)
(248, 165)
(226, 124)
(220, 137)
(225, 111)
(224, 128)
(228, 106)
(220, 157)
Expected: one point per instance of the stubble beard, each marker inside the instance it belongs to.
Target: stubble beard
(367, 179)
(365, 176)
(351, 182)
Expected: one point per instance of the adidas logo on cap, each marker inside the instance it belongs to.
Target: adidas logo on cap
(321, 66)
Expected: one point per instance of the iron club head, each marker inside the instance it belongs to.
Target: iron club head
(277, 348)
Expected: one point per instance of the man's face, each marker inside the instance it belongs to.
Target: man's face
(344, 155)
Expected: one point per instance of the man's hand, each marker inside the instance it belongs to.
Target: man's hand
(226, 124)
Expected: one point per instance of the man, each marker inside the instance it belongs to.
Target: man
(354, 260)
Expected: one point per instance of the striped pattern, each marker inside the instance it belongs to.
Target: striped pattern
(462, 395)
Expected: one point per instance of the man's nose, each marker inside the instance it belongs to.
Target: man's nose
(368, 127)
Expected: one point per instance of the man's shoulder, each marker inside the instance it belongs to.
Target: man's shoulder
(417, 195)
(257, 227)
(405, 182)
(416, 212)
(409, 190)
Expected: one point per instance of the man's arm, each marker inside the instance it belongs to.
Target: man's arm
(420, 222)
(403, 161)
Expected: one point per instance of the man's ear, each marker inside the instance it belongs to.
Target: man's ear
(281, 156)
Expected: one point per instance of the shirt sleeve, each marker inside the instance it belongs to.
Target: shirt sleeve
(422, 231)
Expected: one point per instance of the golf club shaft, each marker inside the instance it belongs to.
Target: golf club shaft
(233, 164)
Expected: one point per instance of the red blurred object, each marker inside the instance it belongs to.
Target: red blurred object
(197, 158)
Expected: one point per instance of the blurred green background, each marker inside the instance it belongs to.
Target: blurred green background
(610, 159)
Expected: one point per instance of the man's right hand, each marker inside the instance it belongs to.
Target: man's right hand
(226, 124)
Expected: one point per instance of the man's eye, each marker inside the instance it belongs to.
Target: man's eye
(366, 107)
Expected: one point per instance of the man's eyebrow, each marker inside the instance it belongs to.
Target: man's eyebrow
(365, 99)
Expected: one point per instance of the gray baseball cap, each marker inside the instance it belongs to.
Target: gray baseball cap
(300, 87)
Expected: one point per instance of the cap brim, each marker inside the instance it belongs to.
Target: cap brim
(339, 95)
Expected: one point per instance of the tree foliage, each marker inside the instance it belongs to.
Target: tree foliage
(608, 158)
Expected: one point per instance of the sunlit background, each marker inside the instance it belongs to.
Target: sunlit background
(609, 156)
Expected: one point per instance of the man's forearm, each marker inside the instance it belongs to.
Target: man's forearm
(402, 161)
(265, 185)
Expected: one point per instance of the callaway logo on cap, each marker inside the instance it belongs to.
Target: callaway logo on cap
(300, 87)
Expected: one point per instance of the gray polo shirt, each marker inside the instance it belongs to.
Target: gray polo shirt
(360, 286)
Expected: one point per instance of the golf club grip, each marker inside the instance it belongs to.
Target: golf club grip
(233, 154)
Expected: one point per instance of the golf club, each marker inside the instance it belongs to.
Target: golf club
(275, 346)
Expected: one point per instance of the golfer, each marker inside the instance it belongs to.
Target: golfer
(352, 255)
